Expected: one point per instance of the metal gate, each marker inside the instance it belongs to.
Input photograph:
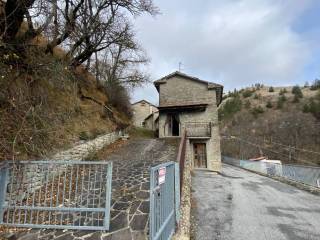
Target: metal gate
(56, 194)
(164, 200)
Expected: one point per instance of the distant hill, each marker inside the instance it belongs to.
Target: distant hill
(276, 122)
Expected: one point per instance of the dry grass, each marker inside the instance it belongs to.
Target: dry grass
(42, 108)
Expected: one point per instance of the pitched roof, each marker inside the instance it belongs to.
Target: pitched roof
(211, 85)
(143, 100)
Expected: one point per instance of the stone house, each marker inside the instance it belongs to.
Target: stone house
(189, 104)
(144, 114)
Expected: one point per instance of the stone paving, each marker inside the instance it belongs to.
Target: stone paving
(130, 193)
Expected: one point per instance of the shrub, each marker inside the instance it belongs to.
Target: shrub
(231, 107)
(296, 91)
(306, 108)
(247, 93)
(256, 96)
(118, 97)
(271, 89)
(281, 101)
(312, 107)
(256, 111)
(84, 136)
(269, 104)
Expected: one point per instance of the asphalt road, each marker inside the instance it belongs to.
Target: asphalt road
(242, 205)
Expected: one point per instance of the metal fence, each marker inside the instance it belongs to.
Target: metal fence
(164, 200)
(56, 194)
(305, 174)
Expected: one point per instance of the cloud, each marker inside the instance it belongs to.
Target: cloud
(232, 42)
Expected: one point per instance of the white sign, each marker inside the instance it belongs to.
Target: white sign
(161, 175)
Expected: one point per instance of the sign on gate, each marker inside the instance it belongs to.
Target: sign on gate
(164, 200)
(162, 175)
(56, 194)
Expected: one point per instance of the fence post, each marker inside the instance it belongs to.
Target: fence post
(108, 196)
(177, 190)
(3, 182)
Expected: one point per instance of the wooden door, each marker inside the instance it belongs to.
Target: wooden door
(200, 156)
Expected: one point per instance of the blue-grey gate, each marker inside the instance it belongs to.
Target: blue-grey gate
(56, 194)
(164, 200)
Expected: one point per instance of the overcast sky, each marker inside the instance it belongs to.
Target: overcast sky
(232, 42)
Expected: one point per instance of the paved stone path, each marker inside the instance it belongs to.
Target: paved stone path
(130, 193)
(245, 206)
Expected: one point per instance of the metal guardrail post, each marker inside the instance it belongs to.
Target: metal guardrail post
(108, 197)
(177, 190)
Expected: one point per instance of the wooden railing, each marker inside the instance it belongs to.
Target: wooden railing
(198, 129)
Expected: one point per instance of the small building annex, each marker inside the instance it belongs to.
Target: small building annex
(145, 114)
(189, 104)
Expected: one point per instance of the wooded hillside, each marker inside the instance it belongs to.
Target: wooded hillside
(66, 70)
(276, 122)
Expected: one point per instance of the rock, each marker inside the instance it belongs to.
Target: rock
(121, 221)
(120, 235)
(145, 207)
(139, 222)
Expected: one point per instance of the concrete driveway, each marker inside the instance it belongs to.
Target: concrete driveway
(238, 204)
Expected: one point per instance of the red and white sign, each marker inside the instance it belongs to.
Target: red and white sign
(162, 175)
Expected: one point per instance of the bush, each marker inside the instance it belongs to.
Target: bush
(281, 101)
(247, 93)
(312, 107)
(271, 89)
(256, 111)
(118, 97)
(269, 104)
(306, 108)
(231, 107)
(84, 136)
(296, 91)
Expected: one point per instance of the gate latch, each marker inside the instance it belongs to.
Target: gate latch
(156, 190)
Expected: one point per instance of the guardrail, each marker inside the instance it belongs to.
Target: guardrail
(304, 174)
(198, 129)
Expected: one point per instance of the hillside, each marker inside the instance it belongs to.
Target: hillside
(275, 123)
(46, 106)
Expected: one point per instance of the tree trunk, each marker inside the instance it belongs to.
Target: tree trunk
(15, 11)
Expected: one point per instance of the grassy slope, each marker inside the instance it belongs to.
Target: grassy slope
(43, 109)
(288, 126)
